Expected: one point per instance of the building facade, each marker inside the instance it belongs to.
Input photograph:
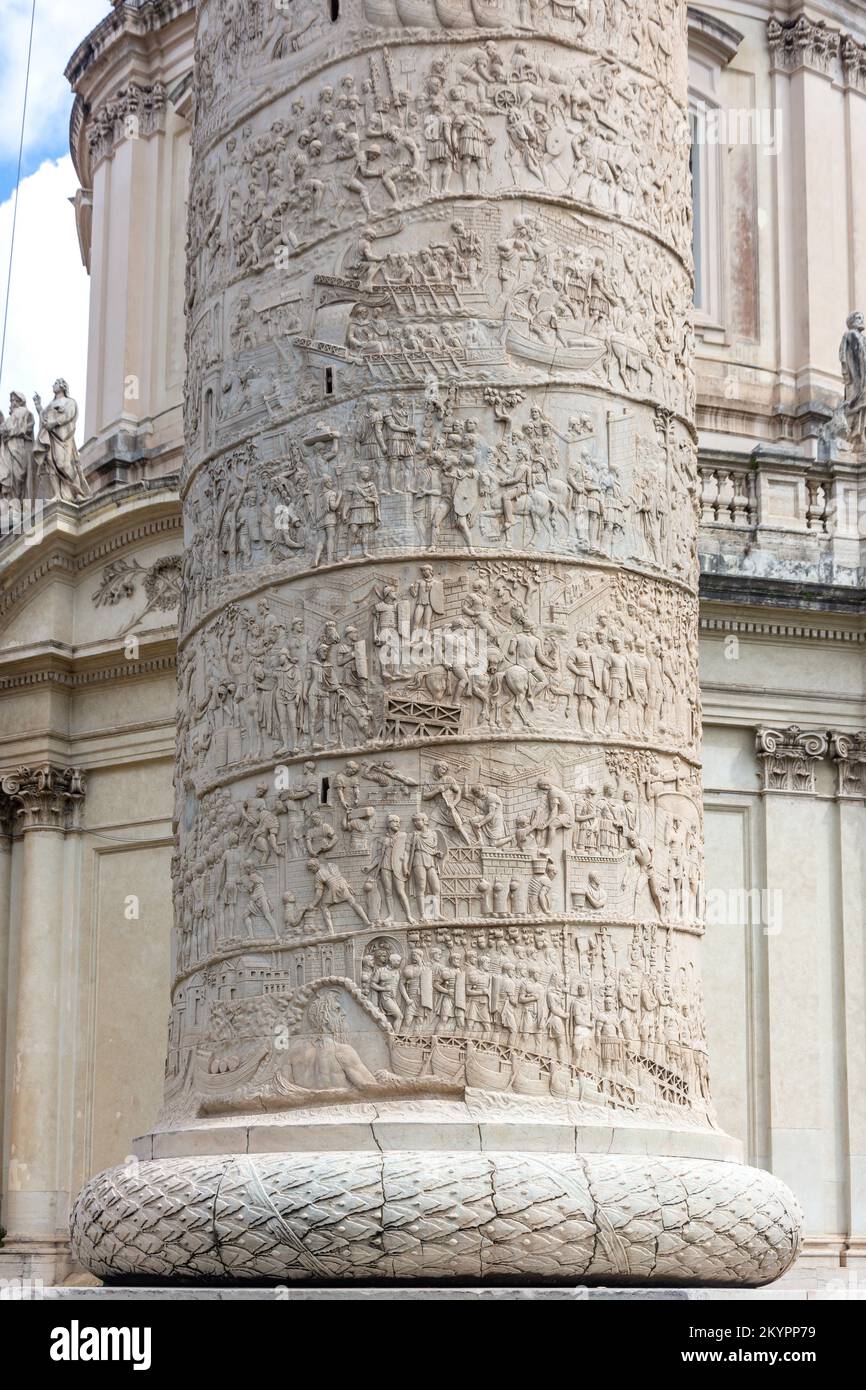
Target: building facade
(88, 611)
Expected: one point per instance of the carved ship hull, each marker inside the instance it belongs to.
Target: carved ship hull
(530, 1078)
(382, 12)
(433, 14)
(407, 1058)
(469, 14)
(577, 357)
(417, 14)
(446, 1061)
(563, 1084)
(488, 14)
(487, 1070)
(239, 1071)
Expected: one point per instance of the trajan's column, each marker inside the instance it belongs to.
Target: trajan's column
(437, 1005)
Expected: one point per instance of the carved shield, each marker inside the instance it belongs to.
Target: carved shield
(361, 667)
(437, 597)
(427, 988)
(556, 142)
(460, 990)
(465, 496)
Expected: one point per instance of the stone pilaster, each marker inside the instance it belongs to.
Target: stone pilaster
(5, 942)
(849, 754)
(44, 803)
(438, 884)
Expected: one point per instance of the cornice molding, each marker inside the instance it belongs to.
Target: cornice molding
(788, 595)
(769, 627)
(120, 55)
(711, 38)
(68, 679)
(125, 19)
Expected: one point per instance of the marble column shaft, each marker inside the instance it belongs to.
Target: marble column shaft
(438, 883)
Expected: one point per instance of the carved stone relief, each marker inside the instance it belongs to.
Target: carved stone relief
(849, 754)
(135, 112)
(432, 346)
(44, 797)
(788, 757)
(438, 787)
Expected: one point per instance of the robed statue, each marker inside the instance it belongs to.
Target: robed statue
(56, 452)
(852, 354)
(16, 450)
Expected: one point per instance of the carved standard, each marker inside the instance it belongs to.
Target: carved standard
(439, 880)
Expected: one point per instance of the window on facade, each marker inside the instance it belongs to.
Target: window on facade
(707, 200)
(695, 164)
(334, 10)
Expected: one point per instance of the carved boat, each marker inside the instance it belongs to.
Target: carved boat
(407, 1058)
(417, 14)
(381, 12)
(530, 1078)
(563, 1084)
(237, 1071)
(488, 14)
(486, 1071)
(446, 1061)
(579, 356)
(455, 14)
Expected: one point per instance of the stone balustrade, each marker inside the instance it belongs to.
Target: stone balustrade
(782, 518)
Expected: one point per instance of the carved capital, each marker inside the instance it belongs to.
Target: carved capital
(803, 42)
(853, 55)
(789, 757)
(134, 113)
(45, 797)
(849, 754)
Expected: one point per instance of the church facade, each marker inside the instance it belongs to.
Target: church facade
(89, 600)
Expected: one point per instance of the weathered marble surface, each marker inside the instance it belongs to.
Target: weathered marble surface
(489, 1294)
(438, 791)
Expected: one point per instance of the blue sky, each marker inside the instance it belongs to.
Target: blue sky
(32, 159)
(47, 319)
(60, 27)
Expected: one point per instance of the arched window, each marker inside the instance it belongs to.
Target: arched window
(334, 10)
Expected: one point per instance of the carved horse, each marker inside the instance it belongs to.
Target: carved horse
(543, 506)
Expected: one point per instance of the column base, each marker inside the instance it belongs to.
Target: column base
(35, 1262)
(488, 1214)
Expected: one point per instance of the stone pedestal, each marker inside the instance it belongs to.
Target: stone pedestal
(437, 1006)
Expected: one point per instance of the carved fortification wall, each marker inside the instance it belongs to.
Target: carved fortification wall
(438, 791)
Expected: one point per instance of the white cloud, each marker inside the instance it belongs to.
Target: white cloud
(60, 27)
(47, 328)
